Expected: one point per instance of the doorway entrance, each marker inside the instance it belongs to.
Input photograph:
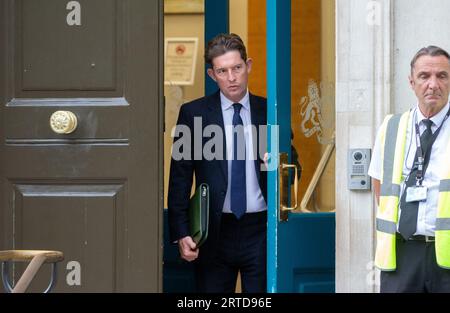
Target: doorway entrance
(307, 101)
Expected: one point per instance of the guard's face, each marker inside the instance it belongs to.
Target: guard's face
(431, 83)
(230, 72)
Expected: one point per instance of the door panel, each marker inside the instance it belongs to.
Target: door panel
(93, 194)
(57, 56)
(306, 253)
(86, 219)
(300, 249)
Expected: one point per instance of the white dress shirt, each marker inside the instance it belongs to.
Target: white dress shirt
(426, 219)
(255, 199)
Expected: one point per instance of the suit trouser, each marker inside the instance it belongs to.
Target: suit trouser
(241, 248)
(417, 270)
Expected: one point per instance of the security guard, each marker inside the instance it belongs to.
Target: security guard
(410, 169)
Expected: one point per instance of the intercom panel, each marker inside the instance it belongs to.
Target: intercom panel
(358, 166)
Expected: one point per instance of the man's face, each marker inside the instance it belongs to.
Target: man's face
(230, 72)
(431, 83)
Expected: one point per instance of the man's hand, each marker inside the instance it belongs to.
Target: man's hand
(188, 249)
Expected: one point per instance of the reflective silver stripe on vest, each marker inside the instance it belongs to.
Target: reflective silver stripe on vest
(444, 186)
(386, 226)
(390, 138)
(390, 190)
(443, 224)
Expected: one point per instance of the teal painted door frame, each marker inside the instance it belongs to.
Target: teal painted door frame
(278, 109)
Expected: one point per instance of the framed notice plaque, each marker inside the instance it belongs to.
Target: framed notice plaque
(180, 61)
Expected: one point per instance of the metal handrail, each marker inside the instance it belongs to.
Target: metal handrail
(317, 175)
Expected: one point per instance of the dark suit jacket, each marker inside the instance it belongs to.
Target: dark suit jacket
(214, 172)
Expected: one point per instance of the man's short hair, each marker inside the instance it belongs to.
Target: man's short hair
(222, 44)
(431, 51)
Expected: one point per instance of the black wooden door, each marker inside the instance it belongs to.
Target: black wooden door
(96, 193)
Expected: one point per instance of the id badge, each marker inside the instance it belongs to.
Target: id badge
(416, 193)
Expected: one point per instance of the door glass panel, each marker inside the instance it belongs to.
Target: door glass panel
(313, 105)
(312, 91)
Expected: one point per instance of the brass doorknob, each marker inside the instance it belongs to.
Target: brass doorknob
(63, 122)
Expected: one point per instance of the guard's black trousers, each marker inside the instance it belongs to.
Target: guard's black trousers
(417, 270)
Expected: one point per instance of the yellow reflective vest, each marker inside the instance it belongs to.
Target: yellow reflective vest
(393, 142)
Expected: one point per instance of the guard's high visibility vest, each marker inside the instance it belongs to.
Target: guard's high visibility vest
(393, 139)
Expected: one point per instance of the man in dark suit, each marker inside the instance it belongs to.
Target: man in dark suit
(235, 175)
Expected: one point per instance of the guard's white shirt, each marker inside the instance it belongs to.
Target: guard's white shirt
(255, 199)
(426, 219)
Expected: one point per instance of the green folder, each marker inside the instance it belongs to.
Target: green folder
(199, 214)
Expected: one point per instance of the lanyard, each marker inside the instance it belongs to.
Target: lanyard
(422, 154)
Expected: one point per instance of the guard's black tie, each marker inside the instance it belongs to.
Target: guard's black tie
(409, 210)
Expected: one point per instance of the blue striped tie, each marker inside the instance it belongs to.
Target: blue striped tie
(238, 185)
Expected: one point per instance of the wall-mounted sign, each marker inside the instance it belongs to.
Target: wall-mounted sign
(180, 61)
